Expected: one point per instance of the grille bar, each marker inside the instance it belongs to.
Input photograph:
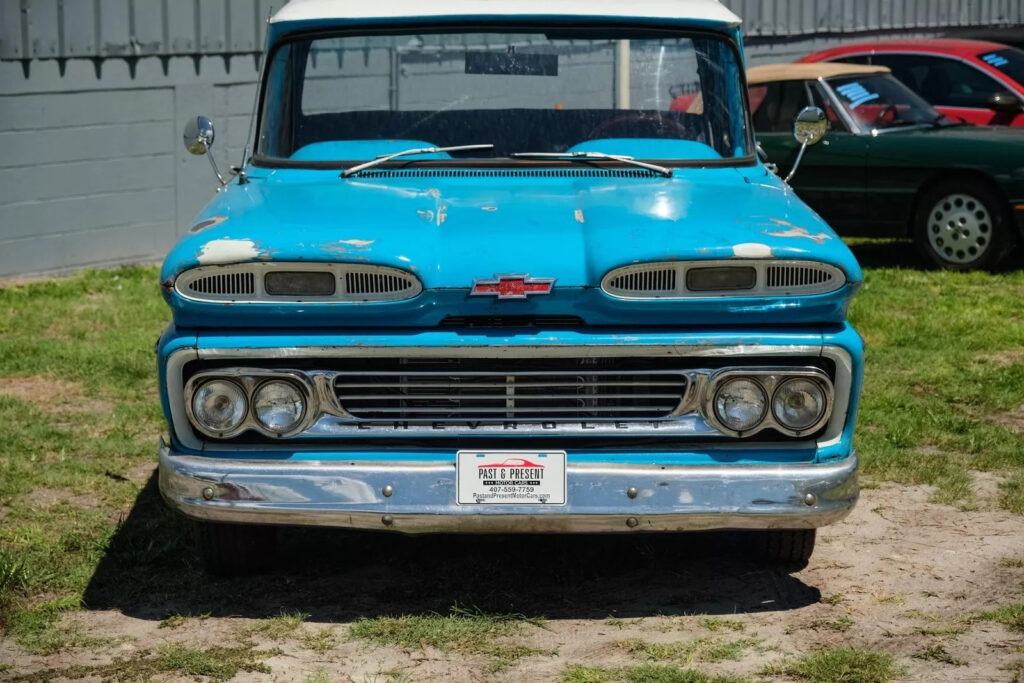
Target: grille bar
(457, 390)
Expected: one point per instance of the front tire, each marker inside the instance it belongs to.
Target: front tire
(962, 225)
(786, 547)
(235, 549)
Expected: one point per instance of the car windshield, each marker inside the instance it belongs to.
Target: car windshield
(880, 102)
(1010, 61)
(643, 93)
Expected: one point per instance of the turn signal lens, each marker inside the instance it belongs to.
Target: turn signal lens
(299, 283)
(740, 404)
(219, 406)
(798, 404)
(278, 406)
(721, 278)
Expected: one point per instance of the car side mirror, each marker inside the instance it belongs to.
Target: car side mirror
(198, 135)
(1005, 103)
(198, 138)
(809, 128)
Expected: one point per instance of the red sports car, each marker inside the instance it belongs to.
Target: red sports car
(971, 80)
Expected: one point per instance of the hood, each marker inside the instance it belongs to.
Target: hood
(450, 228)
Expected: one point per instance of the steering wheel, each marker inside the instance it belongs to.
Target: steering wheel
(658, 120)
(882, 114)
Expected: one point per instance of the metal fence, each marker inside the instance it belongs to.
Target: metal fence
(93, 94)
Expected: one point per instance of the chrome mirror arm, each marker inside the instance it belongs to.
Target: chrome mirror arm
(809, 128)
(796, 164)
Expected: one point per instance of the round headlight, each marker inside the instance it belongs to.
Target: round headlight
(798, 404)
(278, 406)
(740, 404)
(219, 406)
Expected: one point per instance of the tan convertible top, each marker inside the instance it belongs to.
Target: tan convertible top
(770, 73)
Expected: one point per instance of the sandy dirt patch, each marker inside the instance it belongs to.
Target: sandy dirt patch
(901, 575)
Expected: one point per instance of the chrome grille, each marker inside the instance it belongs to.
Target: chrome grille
(461, 389)
(224, 284)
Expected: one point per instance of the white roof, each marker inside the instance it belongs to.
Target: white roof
(711, 11)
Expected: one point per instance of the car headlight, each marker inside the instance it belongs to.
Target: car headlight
(278, 406)
(740, 404)
(798, 404)
(219, 406)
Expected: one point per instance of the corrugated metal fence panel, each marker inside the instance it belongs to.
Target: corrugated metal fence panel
(808, 17)
(47, 29)
(82, 172)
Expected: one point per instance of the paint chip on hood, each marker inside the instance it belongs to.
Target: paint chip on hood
(752, 250)
(227, 250)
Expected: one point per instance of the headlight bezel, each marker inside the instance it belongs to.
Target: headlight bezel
(770, 379)
(250, 380)
(201, 424)
(254, 401)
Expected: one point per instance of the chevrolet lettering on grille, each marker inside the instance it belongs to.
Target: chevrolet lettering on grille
(512, 286)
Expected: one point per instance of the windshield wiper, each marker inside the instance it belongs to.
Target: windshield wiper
(406, 153)
(601, 156)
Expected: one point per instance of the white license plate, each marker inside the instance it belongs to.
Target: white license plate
(510, 477)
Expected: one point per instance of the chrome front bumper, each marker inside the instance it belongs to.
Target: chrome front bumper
(417, 497)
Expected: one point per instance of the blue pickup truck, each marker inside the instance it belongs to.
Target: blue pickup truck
(507, 267)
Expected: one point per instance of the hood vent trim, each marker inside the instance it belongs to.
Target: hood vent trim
(245, 283)
(510, 173)
(773, 278)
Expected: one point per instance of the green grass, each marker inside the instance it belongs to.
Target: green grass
(944, 367)
(689, 651)
(720, 623)
(1010, 615)
(466, 630)
(844, 665)
(644, 673)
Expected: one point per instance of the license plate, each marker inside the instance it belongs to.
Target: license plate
(510, 477)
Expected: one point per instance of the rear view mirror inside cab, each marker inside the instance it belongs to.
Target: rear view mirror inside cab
(511, 64)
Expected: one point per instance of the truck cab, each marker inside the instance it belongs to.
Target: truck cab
(482, 272)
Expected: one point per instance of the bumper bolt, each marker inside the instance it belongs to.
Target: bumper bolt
(388, 491)
(810, 499)
(632, 492)
(208, 493)
(387, 520)
(632, 522)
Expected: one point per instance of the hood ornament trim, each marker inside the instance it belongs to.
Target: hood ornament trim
(512, 286)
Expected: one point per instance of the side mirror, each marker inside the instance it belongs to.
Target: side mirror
(198, 135)
(809, 128)
(1005, 103)
(198, 138)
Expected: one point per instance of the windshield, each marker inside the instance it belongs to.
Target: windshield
(643, 93)
(879, 102)
(1010, 61)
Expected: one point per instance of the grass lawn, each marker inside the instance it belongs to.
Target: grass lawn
(79, 418)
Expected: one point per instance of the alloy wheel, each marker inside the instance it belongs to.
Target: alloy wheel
(959, 228)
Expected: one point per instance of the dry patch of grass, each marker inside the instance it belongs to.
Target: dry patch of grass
(214, 664)
(278, 628)
(937, 653)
